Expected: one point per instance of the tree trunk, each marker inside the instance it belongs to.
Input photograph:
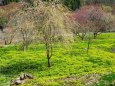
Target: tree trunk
(95, 35)
(48, 54)
(49, 64)
(82, 36)
(25, 46)
(89, 40)
(5, 42)
(48, 57)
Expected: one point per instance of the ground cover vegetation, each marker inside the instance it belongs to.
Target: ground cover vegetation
(58, 42)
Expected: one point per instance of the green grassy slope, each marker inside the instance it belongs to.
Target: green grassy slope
(69, 66)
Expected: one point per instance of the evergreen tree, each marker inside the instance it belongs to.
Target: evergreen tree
(5, 2)
(73, 4)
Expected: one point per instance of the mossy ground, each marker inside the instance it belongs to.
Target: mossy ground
(66, 62)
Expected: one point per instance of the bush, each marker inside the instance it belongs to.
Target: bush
(3, 21)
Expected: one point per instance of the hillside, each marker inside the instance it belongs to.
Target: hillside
(57, 43)
(70, 67)
(9, 9)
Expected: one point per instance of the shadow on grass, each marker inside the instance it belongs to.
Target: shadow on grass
(109, 77)
(23, 66)
(107, 80)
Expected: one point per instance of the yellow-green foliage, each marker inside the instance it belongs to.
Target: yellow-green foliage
(72, 62)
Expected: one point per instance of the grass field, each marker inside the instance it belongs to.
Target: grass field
(70, 66)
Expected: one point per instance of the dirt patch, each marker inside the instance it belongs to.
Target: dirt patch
(87, 80)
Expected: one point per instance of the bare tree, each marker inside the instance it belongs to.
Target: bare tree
(54, 26)
(48, 21)
(95, 17)
(23, 23)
